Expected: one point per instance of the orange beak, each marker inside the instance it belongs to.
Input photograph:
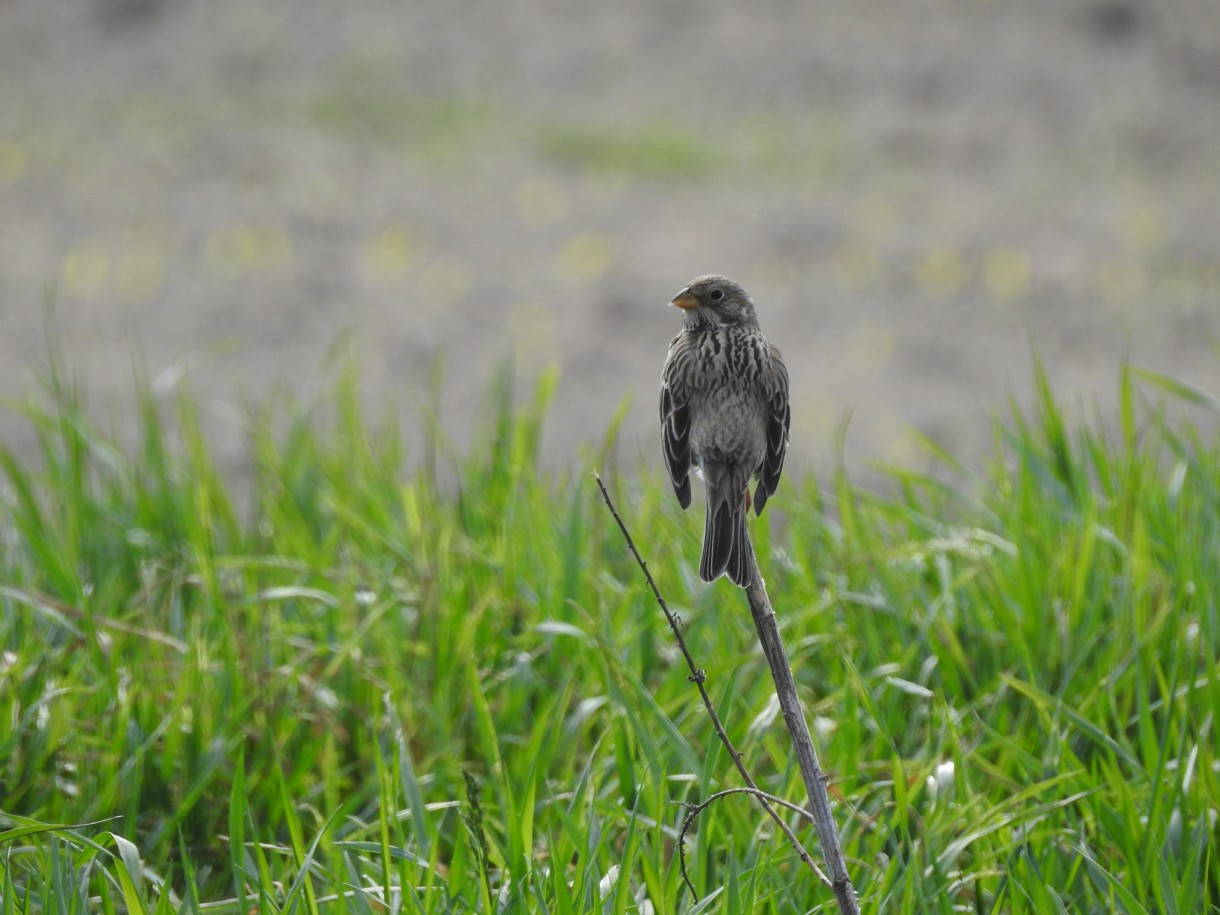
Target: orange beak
(685, 300)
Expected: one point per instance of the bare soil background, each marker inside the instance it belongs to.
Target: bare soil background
(916, 193)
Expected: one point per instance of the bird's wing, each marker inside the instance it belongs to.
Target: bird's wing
(774, 380)
(675, 414)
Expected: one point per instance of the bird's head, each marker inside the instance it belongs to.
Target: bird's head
(715, 299)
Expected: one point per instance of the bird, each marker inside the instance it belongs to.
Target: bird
(724, 411)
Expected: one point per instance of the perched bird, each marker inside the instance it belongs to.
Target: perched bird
(724, 409)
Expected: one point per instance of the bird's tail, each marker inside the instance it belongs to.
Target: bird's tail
(726, 543)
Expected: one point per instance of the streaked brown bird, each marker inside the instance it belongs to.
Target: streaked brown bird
(724, 409)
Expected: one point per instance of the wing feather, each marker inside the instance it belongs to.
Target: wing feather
(774, 381)
(675, 415)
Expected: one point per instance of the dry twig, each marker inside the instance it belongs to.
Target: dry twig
(762, 796)
(699, 677)
(806, 755)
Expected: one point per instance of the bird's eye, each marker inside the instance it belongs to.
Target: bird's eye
(717, 295)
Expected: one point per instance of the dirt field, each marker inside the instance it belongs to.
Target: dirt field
(913, 192)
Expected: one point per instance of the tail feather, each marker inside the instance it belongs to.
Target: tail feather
(739, 562)
(717, 541)
(726, 543)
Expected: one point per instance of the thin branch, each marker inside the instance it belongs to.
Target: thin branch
(763, 798)
(696, 809)
(699, 677)
(806, 755)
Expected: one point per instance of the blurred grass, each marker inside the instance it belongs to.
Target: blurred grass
(451, 128)
(368, 690)
(775, 148)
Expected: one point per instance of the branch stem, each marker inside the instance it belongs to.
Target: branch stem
(699, 677)
(806, 756)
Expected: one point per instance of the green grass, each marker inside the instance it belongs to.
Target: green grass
(672, 148)
(365, 688)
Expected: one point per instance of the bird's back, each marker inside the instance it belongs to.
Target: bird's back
(728, 422)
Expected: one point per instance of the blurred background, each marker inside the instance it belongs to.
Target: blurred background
(917, 194)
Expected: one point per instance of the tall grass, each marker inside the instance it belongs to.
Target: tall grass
(362, 689)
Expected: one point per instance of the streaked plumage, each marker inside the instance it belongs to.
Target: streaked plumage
(724, 410)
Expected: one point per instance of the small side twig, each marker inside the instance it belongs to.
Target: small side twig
(762, 796)
(699, 677)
